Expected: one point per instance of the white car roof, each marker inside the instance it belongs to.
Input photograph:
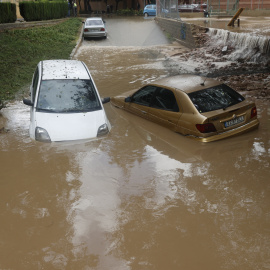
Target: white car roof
(64, 69)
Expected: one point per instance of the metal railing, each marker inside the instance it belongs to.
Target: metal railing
(168, 9)
(174, 8)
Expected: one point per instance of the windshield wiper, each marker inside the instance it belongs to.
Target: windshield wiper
(45, 110)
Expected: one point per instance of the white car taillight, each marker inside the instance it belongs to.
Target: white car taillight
(42, 135)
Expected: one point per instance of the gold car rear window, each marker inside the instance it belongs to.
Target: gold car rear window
(215, 98)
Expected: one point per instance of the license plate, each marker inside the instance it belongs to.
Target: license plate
(94, 30)
(234, 121)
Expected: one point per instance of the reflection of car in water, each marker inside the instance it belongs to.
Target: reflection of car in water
(65, 103)
(201, 108)
(94, 27)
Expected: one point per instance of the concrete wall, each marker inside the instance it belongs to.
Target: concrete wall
(187, 34)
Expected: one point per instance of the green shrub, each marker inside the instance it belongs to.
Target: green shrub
(43, 10)
(7, 13)
(22, 49)
(125, 12)
(139, 13)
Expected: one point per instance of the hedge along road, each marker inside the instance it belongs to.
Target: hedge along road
(140, 198)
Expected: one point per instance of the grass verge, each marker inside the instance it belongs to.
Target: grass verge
(21, 50)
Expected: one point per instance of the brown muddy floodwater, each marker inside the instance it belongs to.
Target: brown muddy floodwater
(142, 197)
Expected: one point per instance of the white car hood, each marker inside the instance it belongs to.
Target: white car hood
(71, 126)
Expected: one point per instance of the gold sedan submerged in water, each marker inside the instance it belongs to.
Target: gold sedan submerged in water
(198, 107)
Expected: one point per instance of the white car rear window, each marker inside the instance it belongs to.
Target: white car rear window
(94, 22)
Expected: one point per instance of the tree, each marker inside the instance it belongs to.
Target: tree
(87, 6)
(116, 4)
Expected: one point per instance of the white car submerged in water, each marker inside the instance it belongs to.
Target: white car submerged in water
(65, 103)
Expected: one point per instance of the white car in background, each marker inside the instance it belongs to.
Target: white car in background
(94, 27)
(65, 103)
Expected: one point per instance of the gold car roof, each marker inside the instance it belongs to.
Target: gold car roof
(186, 83)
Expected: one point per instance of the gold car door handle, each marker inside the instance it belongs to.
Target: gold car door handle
(144, 112)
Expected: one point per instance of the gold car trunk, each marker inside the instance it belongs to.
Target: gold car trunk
(229, 118)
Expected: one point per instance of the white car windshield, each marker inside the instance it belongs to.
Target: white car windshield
(66, 96)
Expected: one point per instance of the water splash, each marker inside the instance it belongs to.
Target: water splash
(249, 47)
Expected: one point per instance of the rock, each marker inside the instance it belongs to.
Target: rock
(4, 130)
(224, 49)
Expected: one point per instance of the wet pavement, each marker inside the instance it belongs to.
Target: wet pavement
(142, 197)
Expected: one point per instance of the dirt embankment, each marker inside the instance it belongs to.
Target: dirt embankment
(246, 70)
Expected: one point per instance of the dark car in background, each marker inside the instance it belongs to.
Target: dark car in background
(189, 8)
(192, 8)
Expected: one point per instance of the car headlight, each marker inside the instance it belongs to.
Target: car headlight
(42, 135)
(102, 130)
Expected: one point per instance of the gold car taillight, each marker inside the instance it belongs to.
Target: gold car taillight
(206, 128)
(253, 112)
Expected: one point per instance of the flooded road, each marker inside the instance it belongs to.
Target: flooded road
(142, 197)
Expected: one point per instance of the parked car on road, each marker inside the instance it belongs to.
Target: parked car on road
(150, 10)
(200, 108)
(65, 104)
(189, 8)
(94, 27)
